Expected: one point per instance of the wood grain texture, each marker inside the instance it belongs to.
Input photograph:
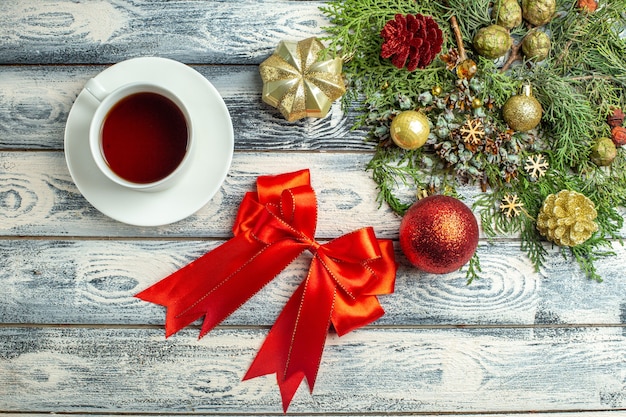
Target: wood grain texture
(367, 371)
(605, 413)
(36, 101)
(205, 32)
(94, 282)
(74, 340)
(43, 200)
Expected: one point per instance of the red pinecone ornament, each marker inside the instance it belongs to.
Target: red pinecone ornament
(413, 37)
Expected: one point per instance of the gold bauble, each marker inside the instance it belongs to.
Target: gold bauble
(522, 112)
(567, 218)
(410, 129)
(297, 83)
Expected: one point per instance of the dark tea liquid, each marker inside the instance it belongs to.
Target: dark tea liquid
(144, 137)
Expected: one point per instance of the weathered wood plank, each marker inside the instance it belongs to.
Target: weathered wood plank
(44, 202)
(74, 340)
(367, 371)
(207, 32)
(35, 103)
(94, 282)
(38, 197)
(575, 413)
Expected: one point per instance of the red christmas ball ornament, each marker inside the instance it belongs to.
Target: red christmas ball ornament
(439, 234)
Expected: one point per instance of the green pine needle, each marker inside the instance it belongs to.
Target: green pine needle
(578, 85)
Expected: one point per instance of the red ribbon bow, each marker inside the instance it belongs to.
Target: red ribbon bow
(274, 226)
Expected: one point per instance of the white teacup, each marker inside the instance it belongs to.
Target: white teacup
(141, 136)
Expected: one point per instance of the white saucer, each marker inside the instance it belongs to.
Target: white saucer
(211, 159)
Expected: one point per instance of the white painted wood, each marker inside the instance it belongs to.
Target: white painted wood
(36, 101)
(534, 413)
(367, 371)
(203, 32)
(94, 282)
(74, 340)
(43, 199)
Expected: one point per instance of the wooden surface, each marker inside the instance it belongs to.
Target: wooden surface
(73, 340)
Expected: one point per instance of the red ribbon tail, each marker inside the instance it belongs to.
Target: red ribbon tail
(219, 282)
(293, 348)
(273, 227)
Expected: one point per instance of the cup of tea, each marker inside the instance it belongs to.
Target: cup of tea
(141, 135)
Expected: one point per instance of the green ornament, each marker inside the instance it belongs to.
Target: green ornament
(538, 12)
(492, 41)
(603, 152)
(507, 13)
(536, 45)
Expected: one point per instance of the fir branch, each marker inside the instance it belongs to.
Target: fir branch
(578, 85)
(355, 35)
(392, 174)
(533, 246)
(500, 86)
(568, 120)
(471, 15)
(473, 269)
(588, 253)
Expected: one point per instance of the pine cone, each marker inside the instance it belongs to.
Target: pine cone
(587, 5)
(413, 37)
(538, 12)
(492, 41)
(603, 152)
(616, 117)
(536, 45)
(507, 13)
(567, 218)
(618, 134)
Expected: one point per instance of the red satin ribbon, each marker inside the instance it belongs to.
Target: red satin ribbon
(274, 226)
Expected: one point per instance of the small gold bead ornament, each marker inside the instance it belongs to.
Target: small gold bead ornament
(410, 129)
(522, 112)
